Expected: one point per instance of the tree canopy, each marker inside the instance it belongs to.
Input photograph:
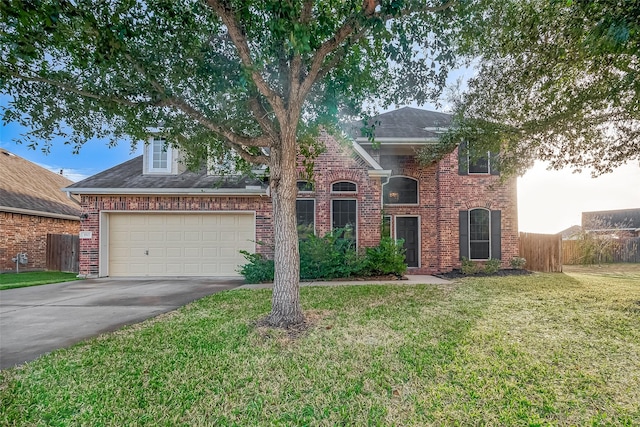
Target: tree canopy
(556, 80)
(251, 77)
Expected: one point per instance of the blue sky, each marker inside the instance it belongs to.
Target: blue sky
(548, 201)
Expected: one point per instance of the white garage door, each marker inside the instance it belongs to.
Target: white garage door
(172, 244)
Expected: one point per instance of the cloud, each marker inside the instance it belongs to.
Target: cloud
(74, 175)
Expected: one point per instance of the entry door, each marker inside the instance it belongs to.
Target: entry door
(407, 229)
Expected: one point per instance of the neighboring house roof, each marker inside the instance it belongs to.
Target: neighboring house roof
(30, 189)
(571, 233)
(622, 219)
(405, 124)
(128, 178)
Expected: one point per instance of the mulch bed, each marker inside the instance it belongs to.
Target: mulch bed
(457, 274)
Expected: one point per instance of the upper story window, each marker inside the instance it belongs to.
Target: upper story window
(343, 187)
(470, 163)
(159, 156)
(305, 186)
(401, 190)
(481, 165)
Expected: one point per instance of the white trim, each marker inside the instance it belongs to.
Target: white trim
(395, 234)
(357, 216)
(38, 213)
(403, 204)
(469, 234)
(169, 191)
(103, 238)
(399, 141)
(366, 156)
(150, 152)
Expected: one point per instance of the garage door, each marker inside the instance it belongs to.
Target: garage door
(179, 244)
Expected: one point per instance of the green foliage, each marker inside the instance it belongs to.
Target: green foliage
(557, 81)
(518, 262)
(330, 257)
(386, 258)
(492, 266)
(258, 269)
(469, 267)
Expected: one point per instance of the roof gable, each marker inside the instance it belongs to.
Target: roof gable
(406, 123)
(25, 186)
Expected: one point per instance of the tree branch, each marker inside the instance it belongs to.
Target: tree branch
(240, 41)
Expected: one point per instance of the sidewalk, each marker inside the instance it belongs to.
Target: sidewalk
(411, 280)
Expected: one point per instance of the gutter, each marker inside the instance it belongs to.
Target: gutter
(169, 191)
(39, 213)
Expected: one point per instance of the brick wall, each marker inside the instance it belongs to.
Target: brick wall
(28, 234)
(93, 205)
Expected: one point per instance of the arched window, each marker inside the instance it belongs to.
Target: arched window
(343, 187)
(401, 190)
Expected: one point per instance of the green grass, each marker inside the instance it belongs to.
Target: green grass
(546, 349)
(34, 278)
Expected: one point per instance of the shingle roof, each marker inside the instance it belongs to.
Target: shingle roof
(25, 186)
(407, 123)
(129, 175)
(615, 219)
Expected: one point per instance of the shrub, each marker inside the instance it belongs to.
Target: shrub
(518, 263)
(330, 257)
(387, 258)
(492, 266)
(258, 270)
(468, 267)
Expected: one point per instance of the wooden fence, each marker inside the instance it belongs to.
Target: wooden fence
(63, 252)
(624, 250)
(543, 252)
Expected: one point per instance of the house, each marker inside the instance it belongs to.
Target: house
(150, 216)
(622, 222)
(572, 233)
(32, 205)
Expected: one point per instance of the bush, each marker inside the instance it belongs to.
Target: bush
(492, 266)
(387, 258)
(518, 263)
(468, 267)
(330, 257)
(258, 270)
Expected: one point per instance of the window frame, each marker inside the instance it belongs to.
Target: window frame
(470, 164)
(385, 191)
(152, 150)
(313, 201)
(355, 227)
(489, 231)
(354, 191)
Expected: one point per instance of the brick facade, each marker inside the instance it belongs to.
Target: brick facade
(21, 233)
(443, 193)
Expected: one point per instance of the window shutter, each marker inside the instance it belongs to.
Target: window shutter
(463, 158)
(496, 235)
(494, 163)
(464, 234)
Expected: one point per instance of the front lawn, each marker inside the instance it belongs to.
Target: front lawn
(33, 278)
(545, 349)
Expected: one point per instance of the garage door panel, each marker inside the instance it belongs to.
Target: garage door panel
(147, 244)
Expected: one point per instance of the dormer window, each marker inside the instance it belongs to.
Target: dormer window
(160, 156)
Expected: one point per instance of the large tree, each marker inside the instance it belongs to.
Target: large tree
(556, 80)
(256, 78)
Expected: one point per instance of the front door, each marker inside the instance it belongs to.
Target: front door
(407, 229)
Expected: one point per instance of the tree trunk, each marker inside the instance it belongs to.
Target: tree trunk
(285, 304)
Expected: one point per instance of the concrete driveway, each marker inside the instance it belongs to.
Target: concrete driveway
(39, 319)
